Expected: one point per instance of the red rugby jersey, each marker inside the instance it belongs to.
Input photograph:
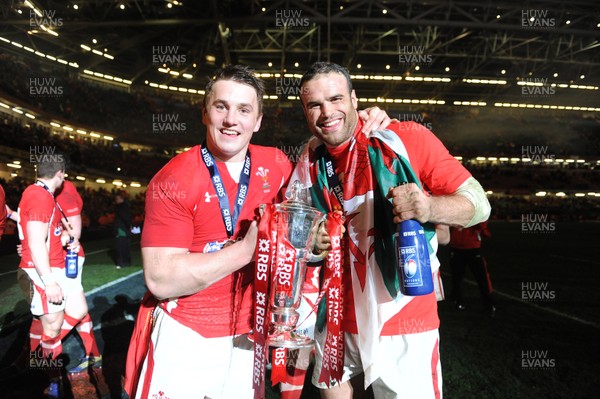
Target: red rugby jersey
(182, 211)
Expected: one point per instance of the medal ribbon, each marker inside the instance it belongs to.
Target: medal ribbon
(42, 184)
(333, 351)
(333, 180)
(229, 219)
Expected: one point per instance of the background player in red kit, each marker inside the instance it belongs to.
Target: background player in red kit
(465, 251)
(40, 231)
(43, 259)
(70, 206)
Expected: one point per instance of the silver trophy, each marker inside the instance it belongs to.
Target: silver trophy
(296, 223)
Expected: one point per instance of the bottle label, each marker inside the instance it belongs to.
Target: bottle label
(71, 269)
(413, 260)
(410, 266)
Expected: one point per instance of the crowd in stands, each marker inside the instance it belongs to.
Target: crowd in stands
(84, 155)
(509, 132)
(98, 212)
(563, 209)
(128, 114)
(519, 179)
(466, 132)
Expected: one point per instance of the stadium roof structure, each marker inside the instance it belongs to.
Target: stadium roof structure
(412, 51)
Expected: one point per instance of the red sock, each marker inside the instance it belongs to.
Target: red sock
(86, 332)
(51, 346)
(68, 324)
(35, 334)
(295, 375)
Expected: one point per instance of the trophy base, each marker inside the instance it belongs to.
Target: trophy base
(289, 339)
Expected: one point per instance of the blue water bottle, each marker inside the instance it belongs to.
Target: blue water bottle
(412, 255)
(71, 267)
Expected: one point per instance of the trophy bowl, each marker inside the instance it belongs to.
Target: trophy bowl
(296, 225)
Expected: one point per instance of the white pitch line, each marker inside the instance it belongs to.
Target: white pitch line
(575, 259)
(96, 327)
(547, 309)
(500, 293)
(110, 284)
(533, 305)
(127, 316)
(5, 273)
(97, 251)
(113, 323)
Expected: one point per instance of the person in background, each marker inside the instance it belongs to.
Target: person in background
(70, 205)
(3, 211)
(43, 259)
(465, 251)
(122, 231)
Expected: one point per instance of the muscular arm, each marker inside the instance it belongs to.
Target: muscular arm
(173, 272)
(73, 229)
(458, 199)
(454, 210)
(466, 207)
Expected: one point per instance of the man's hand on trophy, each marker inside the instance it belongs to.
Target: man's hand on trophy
(323, 240)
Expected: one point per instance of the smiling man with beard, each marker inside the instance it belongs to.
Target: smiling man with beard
(380, 337)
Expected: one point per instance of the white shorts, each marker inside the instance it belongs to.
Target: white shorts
(410, 366)
(39, 304)
(183, 364)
